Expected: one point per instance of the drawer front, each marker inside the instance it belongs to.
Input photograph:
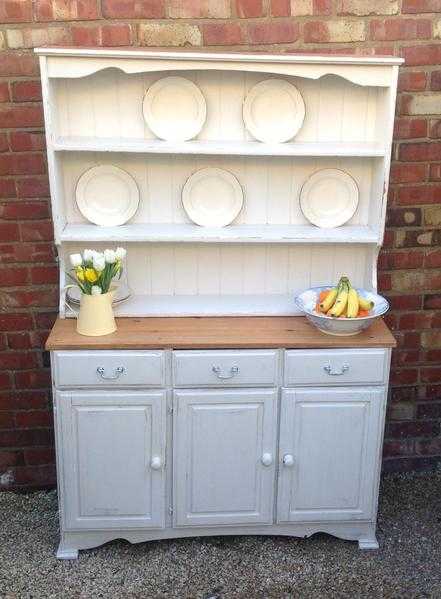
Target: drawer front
(335, 367)
(225, 368)
(109, 368)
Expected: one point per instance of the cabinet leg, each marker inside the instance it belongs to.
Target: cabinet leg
(370, 543)
(65, 552)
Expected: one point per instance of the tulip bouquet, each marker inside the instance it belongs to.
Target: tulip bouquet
(94, 271)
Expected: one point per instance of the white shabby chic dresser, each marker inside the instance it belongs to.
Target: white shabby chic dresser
(215, 408)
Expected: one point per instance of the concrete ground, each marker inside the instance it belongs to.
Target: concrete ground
(407, 565)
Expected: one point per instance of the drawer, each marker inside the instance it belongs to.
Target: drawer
(225, 368)
(109, 368)
(336, 367)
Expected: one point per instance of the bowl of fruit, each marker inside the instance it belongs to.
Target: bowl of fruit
(341, 310)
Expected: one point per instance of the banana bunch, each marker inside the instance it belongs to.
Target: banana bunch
(343, 301)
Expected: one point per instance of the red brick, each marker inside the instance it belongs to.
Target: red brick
(32, 187)
(133, 9)
(433, 259)
(7, 188)
(45, 320)
(412, 81)
(435, 172)
(27, 141)
(408, 173)
(4, 92)
(431, 375)
(412, 429)
(34, 419)
(423, 194)
(415, 321)
(15, 11)
(246, 9)
(7, 420)
(4, 145)
(32, 379)
(14, 322)
(35, 476)
(23, 400)
(66, 10)
(15, 360)
(280, 32)
(22, 164)
(26, 91)
(11, 458)
(39, 455)
(280, 8)
(23, 340)
(107, 35)
(402, 259)
(404, 217)
(406, 302)
(421, 6)
(422, 55)
(433, 355)
(400, 29)
(37, 231)
(13, 64)
(410, 128)
(432, 302)
(21, 116)
(25, 299)
(435, 129)
(218, 34)
(398, 448)
(26, 252)
(26, 438)
(24, 210)
(11, 277)
(420, 152)
(429, 410)
(9, 232)
(428, 446)
(42, 275)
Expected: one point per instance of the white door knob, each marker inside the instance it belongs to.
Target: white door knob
(288, 459)
(267, 459)
(156, 463)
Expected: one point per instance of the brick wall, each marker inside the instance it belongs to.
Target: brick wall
(410, 263)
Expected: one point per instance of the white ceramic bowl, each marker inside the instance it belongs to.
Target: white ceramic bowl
(307, 300)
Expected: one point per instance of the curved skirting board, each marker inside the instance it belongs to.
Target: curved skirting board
(72, 542)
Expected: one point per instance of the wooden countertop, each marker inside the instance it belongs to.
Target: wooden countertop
(215, 333)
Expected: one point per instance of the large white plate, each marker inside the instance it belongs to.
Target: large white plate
(212, 197)
(273, 111)
(174, 109)
(106, 195)
(329, 198)
(122, 293)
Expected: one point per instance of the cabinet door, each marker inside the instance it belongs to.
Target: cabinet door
(329, 453)
(113, 449)
(224, 457)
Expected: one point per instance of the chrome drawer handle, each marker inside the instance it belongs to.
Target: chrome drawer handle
(218, 372)
(118, 372)
(343, 369)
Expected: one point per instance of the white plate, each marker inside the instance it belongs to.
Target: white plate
(212, 197)
(329, 198)
(106, 195)
(174, 109)
(273, 111)
(122, 293)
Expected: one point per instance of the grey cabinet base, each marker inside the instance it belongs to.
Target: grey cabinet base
(363, 532)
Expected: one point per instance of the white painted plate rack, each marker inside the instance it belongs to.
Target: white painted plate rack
(93, 113)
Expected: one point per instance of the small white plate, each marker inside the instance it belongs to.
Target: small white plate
(212, 197)
(107, 196)
(174, 109)
(329, 198)
(273, 111)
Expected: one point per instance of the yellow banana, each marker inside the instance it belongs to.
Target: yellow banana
(364, 303)
(352, 303)
(341, 301)
(329, 300)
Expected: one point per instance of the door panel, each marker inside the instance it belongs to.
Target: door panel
(110, 440)
(332, 436)
(221, 441)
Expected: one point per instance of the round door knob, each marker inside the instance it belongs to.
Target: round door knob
(156, 463)
(288, 459)
(267, 459)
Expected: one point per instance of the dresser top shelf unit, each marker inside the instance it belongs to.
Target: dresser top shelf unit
(93, 102)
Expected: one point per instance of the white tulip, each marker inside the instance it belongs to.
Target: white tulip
(99, 262)
(95, 290)
(88, 255)
(110, 256)
(120, 253)
(76, 260)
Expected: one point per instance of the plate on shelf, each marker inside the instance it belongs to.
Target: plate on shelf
(107, 195)
(273, 111)
(329, 198)
(212, 197)
(122, 293)
(174, 109)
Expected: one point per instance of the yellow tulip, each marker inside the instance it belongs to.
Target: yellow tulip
(80, 274)
(91, 275)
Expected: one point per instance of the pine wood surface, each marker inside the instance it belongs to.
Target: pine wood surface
(215, 333)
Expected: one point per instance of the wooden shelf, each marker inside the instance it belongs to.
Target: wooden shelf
(228, 148)
(177, 233)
